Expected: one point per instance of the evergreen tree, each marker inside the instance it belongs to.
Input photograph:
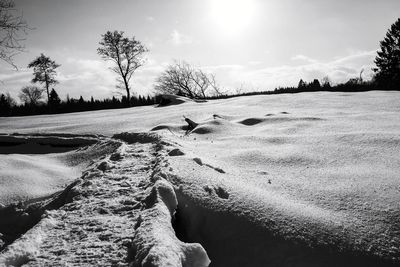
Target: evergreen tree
(302, 84)
(4, 105)
(388, 59)
(81, 102)
(44, 71)
(315, 85)
(54, 99)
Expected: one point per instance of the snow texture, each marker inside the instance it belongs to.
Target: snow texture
(307, 179)
(120, 214)
(33, 166)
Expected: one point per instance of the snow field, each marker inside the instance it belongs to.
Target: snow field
(308, 179)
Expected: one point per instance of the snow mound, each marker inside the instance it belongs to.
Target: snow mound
(169, 100)
(270, 119)
(213, 126)
(155, 242)
(173, 128)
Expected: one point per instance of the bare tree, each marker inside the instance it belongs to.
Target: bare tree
(180, 78)
(12, 28)
(326, 82)
(127, 54)
(44, 71)
(31, 95)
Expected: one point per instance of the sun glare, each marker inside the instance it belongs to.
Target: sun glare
(232, 16)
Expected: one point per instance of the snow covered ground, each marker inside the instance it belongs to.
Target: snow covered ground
(308, 179)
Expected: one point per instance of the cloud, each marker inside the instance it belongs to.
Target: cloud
(150, 19)
(22, 74)
(84, 77)
(303, 58)
(92, 77)
(254, 63)
(267, 78)
(178, 38)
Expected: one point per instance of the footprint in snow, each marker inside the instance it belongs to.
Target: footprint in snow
(219, 191)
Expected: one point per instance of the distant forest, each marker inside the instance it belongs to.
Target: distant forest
(9, 107)
(353, 85)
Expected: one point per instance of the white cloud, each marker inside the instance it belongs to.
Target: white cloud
(178, 38)
(89, 77)
(150, 18)
(254, 63)
(268, 78)
(303, 58)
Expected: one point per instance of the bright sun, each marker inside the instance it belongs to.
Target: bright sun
(232, 16)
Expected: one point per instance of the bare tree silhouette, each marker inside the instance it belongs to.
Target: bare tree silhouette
(31, 95)
(12, 31)
(127, 54)
(181, 78)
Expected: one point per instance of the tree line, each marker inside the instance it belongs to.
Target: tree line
(352, 85)
(9, 107)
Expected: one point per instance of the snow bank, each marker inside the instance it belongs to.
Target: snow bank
(28, 246)
(34, 166)
(24, 177)
(170, 100)
(58, 140)
(155, 242)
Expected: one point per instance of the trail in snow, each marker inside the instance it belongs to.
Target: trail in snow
(120, 213)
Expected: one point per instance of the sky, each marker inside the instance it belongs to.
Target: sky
(249, 45)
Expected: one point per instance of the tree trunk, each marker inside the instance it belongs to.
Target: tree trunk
(128, 93)
(47, 90)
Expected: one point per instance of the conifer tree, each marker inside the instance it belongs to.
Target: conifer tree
(44, 71)
(54, 99)
(388, 59)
